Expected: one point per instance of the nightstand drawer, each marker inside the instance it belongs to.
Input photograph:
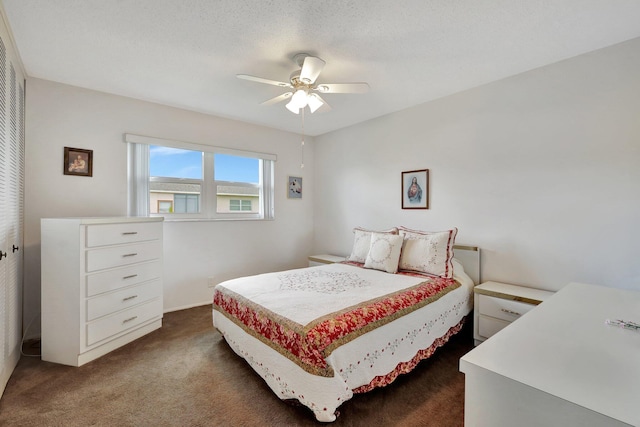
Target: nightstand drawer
(502, 308)
(498, 304)
(487, 326)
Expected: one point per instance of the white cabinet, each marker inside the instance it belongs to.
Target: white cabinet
(496, 305)
(101, 285)
(315, 260)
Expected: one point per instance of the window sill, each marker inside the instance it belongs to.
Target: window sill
(169, 219)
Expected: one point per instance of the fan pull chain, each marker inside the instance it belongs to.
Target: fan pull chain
(302, 143)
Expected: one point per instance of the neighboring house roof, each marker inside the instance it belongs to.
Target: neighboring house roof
(246, 191)
(176, 187)
(173, 187)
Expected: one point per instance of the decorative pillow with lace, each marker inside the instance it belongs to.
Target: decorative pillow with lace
(362, 242)
(428, 252)
(384, 252)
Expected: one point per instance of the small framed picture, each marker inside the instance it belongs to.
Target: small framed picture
(415, 189)
(295, 187)
(78, 162)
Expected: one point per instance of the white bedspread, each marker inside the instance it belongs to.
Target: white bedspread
(305, 295)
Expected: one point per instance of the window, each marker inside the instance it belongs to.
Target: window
(188, 181)
(186, 203)
(165, 206)
(239, 205)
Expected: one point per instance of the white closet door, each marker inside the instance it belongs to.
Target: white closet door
(4, 288)
(11, 211)
(15, 179)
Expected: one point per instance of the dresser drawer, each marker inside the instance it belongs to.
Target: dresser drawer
(121, 321)
(500, 308)
(121, 277)
(124, 298)
(116, 256)
(115, 234)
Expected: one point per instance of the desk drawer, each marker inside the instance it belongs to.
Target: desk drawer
(124, 298)
(500, 308)
(116, 256)
(123, 320)
(117, 278)
(117, 234)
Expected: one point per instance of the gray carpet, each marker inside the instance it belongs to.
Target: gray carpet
(184, 374)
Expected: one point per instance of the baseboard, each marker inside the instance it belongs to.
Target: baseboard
(185, 307)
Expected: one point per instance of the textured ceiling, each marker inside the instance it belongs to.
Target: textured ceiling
(186, 53)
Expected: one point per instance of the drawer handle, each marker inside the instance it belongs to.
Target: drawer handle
(129, 277)
(129, 233)
(129, 298)
(129, 319)
(129, 255)
(515, 313)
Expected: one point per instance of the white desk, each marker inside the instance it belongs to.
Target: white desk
(560, 365)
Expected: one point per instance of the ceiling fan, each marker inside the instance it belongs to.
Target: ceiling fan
(304, 91)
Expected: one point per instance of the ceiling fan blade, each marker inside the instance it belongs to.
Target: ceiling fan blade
(261, 80)
(342, 88)
(277, 99)
(311, 68)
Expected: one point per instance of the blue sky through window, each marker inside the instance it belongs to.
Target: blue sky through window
(235, 168)
(174, 163)
(177, 163)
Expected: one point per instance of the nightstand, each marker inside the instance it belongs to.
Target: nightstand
(496, 305)
(315, 260)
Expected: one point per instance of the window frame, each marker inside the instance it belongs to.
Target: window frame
(139, 181)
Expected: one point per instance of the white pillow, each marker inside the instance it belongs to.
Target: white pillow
(362, 242)
(428, 252)
(384, 252)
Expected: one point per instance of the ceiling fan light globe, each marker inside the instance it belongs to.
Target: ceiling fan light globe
(292, 107)
(314, 102)
(299, 98)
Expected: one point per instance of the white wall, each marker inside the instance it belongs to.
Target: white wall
(60, 115)
(541, 170)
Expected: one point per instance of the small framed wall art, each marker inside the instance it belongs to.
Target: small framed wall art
(415, 189)
(78, 162)
(295, 187)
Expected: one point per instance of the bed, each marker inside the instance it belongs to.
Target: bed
(320, 334)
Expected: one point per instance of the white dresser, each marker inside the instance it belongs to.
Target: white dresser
(101, 285)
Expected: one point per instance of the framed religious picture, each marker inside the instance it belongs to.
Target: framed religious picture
(415, 189)
(295, 187)
(78, 162)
